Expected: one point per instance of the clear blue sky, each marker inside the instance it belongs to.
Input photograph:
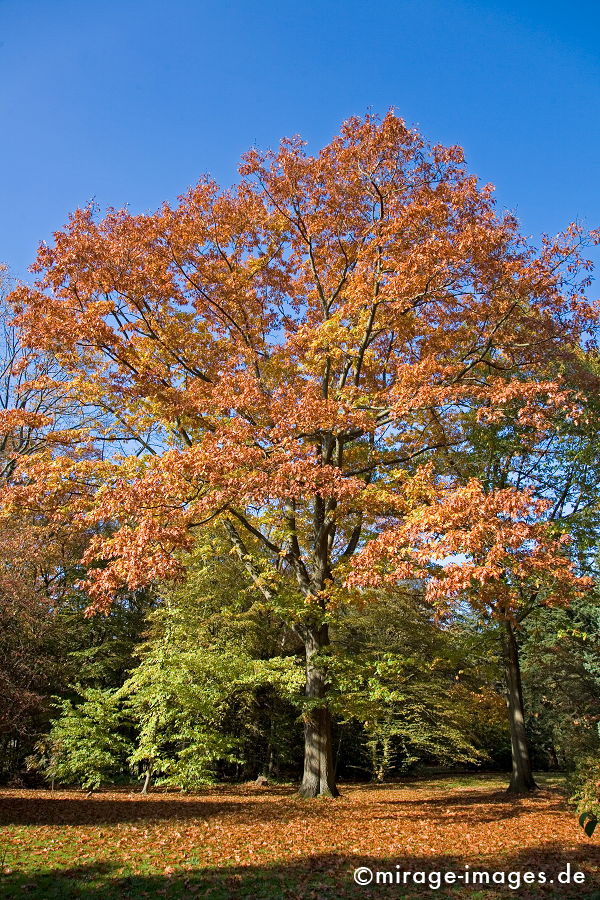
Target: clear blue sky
(130, 101)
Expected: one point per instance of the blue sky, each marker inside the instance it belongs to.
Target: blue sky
(130, 101)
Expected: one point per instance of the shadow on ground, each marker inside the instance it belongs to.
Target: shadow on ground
(323, 877)
(499, 805)
(246, 805)
(99, 809)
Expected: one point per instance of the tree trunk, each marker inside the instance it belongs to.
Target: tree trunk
(318, 779)
(522, 779)
(271, 745)
(147, 778)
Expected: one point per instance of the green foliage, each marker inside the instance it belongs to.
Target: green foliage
(212, 684)
(178, 700)
(207, 683)
(409, 682)
(218, 689)
(47, 645)
(85, 745)
(561, 680)
(98, 651)
(584, 784)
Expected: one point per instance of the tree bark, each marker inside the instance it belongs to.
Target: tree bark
(319, 778)
(147, 778)
(522, 780)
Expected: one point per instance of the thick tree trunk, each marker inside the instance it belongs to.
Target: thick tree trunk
(522, 779)
(318, 779)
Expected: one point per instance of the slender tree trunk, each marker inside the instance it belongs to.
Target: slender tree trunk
(318, 779)
(147, 778)
(522, 779)
(271, 746)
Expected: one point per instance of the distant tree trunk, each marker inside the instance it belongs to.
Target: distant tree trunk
(553, 757)
(522, 779)
(318, 779)
(271, 744)
(146, 784)
(381, 757)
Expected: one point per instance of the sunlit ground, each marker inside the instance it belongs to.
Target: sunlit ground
(266, 843)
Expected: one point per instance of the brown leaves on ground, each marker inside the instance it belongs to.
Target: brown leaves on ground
(227, 840)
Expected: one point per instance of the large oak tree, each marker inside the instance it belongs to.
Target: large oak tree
(285, 357)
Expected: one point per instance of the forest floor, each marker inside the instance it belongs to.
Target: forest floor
(266, 843)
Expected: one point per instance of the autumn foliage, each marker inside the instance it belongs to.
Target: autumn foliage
(295, 358)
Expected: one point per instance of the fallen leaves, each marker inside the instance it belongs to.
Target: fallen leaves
(196, 843)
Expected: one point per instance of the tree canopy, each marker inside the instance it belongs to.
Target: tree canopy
(297, 358)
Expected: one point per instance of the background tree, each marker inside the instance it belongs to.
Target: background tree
(36, 559)
(495, 550)
(554, 459)
(561, 670)
(216, 689)
(86, 744)
(415, 685)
